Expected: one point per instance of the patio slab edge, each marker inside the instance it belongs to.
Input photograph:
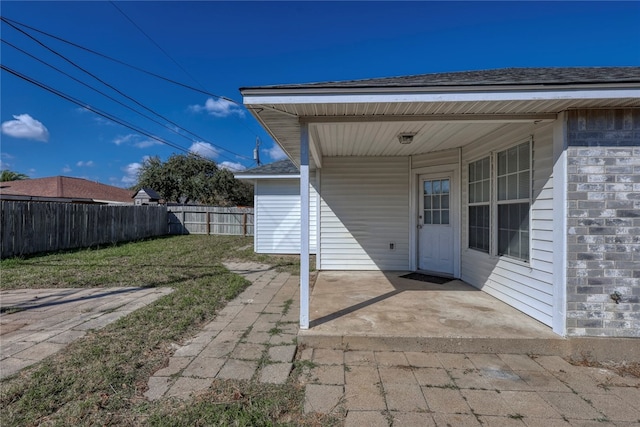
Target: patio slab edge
(577, 348)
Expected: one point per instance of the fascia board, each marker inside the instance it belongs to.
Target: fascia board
(292, 176)
(350, 97)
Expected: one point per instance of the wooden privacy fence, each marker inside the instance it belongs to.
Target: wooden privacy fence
(210, 220)
(29, 227)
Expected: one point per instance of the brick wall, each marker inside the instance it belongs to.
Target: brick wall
(603, 224)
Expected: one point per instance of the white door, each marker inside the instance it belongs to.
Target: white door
(435, 225)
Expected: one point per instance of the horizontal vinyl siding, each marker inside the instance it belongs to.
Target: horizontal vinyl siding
(277, 217)
(364, 207)
(525, 286)
(436, 158)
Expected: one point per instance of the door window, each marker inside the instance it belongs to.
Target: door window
(436, 201)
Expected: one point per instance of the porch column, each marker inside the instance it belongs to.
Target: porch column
(304, 226)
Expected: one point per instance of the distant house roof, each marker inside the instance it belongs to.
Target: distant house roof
(152, 194)
(281, 168)
(64, 188)
(496, 77)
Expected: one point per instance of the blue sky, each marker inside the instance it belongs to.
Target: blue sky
(222, 46)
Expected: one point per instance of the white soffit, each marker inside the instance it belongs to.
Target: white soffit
(359, 124)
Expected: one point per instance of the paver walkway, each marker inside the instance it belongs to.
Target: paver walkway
(253, 338)
(36, 323)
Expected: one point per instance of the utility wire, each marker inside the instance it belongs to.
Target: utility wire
(117, 90)
(142, 70)
(110, 58)
(102, 93)
(156, 44)
(99, 112)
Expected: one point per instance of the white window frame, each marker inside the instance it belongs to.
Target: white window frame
(487, 203)
(498, 203)
(494, 203)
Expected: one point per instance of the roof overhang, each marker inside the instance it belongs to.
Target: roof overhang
(255, 176)
(366, 121)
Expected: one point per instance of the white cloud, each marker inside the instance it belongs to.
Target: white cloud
(3, 160)
(204, 149)
(135, 140)
(145, 143)
(131, 173)
(66, 169)
(218, 108)
(26, 127)
(275, 153)
(82, 163)
(232, 166)
(122, 139)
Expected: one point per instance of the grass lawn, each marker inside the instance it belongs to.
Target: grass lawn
(100, 379)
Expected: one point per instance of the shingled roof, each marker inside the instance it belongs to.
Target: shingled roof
(495, 77)
(282, 167)
(64, 187)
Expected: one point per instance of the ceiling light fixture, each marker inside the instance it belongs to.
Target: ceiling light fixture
(406, 137)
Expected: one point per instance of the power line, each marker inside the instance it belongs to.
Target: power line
(156, 44)
(118, 91)
(99, 112)
(100, 92)
(139, 69)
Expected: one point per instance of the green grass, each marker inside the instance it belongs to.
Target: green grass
(100, 379)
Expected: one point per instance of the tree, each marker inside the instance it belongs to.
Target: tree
(7, 175)
(186, 178)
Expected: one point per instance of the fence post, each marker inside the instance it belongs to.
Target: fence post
(244, 224)
(208, 216)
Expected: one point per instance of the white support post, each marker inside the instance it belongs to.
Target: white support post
(304, 226)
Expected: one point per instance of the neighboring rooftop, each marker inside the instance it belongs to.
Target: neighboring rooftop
(281, 167)
(495, 77)
(152, 194)
(64, 187)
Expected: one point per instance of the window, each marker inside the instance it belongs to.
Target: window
(436, 201)
(514, 188)
(512, 185)
(479, 198)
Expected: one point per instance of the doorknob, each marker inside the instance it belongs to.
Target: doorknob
(419, 225)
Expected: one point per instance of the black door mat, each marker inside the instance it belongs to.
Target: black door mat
(427, 278)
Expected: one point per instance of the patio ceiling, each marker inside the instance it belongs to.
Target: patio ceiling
(366, 123)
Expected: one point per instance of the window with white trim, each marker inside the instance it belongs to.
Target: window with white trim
(513, 177)
(479, 204)
(511, 184)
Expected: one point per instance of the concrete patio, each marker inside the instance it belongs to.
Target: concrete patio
(373, 310)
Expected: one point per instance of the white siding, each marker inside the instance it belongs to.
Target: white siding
(277, 216)
(364, 208)
(435, 158)
(525, 286)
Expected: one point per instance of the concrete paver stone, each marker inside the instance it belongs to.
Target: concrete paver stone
(366, 418)
(404, 397)
(407, 419)
(238, 369)
(282, 353)
(327, 374)
(203, 367)
(186, 387)
(445, 400)
(275, 373)
(323, 399)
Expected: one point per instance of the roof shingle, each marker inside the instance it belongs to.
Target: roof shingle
(495, 77)
(282, 167)
(67, 188)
